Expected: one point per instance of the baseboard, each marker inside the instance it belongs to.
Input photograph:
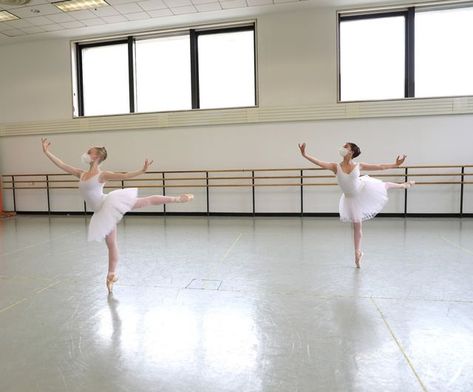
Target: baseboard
(259, 214)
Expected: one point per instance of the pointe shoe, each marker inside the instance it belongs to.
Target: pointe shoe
(185, 198)
(111, 279)
(408, 184)
(358, 258)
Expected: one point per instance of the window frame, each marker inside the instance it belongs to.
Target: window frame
(409, 49)
(193, 32)
(195, 59)
(409, 12)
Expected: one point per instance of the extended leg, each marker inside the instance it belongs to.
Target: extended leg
(158, 199)
(394, 185)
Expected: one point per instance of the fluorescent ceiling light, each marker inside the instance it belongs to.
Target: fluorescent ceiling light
(76, 5)
(5, 15)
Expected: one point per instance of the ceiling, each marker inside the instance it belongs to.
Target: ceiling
(39, 18)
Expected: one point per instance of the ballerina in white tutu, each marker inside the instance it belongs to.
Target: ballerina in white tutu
(363, 197)
(108, 208)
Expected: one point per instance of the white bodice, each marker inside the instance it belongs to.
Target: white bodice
(91, 191)
(349, 182)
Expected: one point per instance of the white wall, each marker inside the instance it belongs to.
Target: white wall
(297, 60)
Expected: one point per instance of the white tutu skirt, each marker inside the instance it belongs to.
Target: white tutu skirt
(366, 203)
(114, 205)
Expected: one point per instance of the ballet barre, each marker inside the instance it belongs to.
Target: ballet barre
(243, 178)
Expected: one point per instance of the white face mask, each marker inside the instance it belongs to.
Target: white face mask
(343, 152)
(86, 159)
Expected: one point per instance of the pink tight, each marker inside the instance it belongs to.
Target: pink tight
(357, 226)
(154, 200)
(394, 185)
(357, 236)
(111, 239)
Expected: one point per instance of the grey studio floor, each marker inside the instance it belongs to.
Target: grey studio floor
(237, 304)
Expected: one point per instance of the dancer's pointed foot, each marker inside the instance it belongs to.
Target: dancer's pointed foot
(184, 198)
(111, 279)
(408, 184)
(358, 258)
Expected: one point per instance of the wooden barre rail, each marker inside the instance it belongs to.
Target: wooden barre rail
(234, 178)
(253, 170)
(53, 181)
(229, 185)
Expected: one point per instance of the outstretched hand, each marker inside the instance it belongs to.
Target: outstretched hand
(302, 148)
(147, 165)
(46, 143)
(400, 159)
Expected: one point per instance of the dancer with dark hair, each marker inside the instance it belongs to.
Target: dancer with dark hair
(363, 197)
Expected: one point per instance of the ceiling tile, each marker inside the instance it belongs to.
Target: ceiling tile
(44, 9)
(82, 15)
(117, 2)
(32, 30)
(19, 23)
(73, 25)
(137, 16)
(151, 5)
(13, 32)
(208, 7)
(229, 4)
(39, 21)
(190, 9)
(202, 1)
(160, 13)
(115, 19)
(131, 8)
(93, 22)
(59, 18)
(105, 11)
(253, 3)
(22, 12)
(177, 3)
(53, 27)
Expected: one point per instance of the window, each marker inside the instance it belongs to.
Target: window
(191, 69)
(372, 58)
(415, 52)
(226, 69)
(163, 76)
(105, 79)
(444, 55)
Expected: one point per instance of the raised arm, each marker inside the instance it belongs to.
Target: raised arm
(325, 165)
(58, 162)
(384, 166)
(110, 176)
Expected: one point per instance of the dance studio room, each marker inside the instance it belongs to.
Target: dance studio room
(236, 196)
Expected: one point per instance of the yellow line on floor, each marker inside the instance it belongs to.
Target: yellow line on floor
(231, 246)
(24, 277)
(70, 234)
(13, 305)
(47, 287)
(399, 346)
(27, 298)
(215, 267)
(457, 246)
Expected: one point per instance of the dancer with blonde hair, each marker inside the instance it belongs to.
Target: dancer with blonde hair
(108, 208)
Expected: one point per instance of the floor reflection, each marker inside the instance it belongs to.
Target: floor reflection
(225, 338)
